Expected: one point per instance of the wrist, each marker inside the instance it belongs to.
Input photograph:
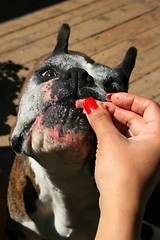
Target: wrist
(120, 216)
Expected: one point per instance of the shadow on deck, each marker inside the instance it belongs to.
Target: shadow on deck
(14, 8)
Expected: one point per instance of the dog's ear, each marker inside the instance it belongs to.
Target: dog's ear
(62, 40)
(125, 68)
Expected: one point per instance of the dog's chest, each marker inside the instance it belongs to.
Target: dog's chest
(59, 214)
(51, 215)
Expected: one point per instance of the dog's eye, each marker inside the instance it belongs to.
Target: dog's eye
(49, 73)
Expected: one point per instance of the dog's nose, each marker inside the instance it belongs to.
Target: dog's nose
(83, 82)
(77, 82)
(82, 77)
(73, 84)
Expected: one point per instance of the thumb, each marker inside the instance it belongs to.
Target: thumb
(100, 120)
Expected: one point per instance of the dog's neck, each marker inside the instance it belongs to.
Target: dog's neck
(69, 191)
(65, 174)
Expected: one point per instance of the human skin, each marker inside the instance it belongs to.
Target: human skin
(127, 161)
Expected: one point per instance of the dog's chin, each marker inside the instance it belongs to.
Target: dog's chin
(61, 128)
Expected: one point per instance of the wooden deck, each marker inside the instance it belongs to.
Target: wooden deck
(103, 29)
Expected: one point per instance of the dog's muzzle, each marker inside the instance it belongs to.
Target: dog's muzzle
(60, 109)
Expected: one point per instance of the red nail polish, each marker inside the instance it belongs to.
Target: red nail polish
(108, 96)
(90, 105)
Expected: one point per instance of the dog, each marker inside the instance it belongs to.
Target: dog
(52, 191)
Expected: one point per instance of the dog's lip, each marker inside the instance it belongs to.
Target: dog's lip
(17, 142)
(78, 104)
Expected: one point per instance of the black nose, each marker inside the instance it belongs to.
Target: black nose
(84, 79)
(81, 80)
(73, 84)
(80, 75)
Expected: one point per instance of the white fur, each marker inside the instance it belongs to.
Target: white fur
(30, 106)
(53, 199)
(30, 225)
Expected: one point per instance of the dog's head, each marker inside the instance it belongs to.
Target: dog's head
(48, 120)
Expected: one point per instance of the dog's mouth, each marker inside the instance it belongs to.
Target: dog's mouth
(66, 117)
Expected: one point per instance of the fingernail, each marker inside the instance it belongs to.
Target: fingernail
(109, 95)
(90, 105)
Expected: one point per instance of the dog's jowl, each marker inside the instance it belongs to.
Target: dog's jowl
(52, 190)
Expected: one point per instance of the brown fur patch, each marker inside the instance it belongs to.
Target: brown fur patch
(21, 171)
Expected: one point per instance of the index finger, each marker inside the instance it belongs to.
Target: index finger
(147, 108)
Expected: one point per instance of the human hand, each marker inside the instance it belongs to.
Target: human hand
(127, 165)
(134, 154)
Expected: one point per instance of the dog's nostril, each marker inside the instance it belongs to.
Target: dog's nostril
(82, 74)
(90, 79)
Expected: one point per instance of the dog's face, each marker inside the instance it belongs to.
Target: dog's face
(48, 121)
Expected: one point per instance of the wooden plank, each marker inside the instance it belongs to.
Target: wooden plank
(112, 19)
(113, 36)
(41, 30)
(148, 86)
(147, 61)
(4, 140)
(53, 11)
(42, 15)
(30, 51)
(143, 41)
